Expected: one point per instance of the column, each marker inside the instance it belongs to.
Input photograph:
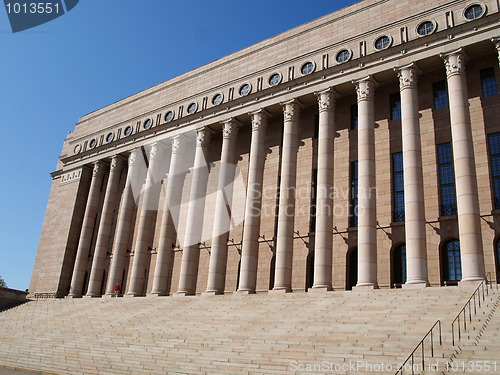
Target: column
(323, 245)
(145, 229)
(108, 210)
(367, 220)
(469, 222)
(194, 220)
(253, 204)
(223, 203)
(123, 227)
(173, 196)
(415, 238)
(286, 213)
(85, 242)
(496, 42)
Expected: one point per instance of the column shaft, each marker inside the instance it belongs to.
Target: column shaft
(148, 209)
(194, 220)
(123, 227)
(286, 214)
(323, 245)
(223, 204)
(171, 209)
(415, 237)
(253, 204)
(84, 244)
(367, 220)
(104, 231)
(469, 221)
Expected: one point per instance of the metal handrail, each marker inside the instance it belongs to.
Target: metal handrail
(421, 344)
(468, 306)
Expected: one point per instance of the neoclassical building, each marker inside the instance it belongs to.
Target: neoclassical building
(360, 150)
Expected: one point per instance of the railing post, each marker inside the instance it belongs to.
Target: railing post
(440, 335)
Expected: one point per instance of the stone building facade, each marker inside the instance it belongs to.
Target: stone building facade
(361, 150)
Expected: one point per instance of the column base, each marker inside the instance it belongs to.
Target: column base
(128, 295)
(280, 291)
(183, 294)
(212, 293)
(320, 289)
(416, 285)
(242, 292)
(73, 296)
(364, 287)
(470, 283)
(92, 296)
(158, 294)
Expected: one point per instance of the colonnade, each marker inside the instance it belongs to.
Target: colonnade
(415, 231)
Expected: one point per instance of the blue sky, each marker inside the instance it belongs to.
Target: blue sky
(100, 52)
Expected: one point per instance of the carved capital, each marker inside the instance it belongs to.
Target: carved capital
(408, 76)
(153, 152)
(98, 168)
(365, 88)
(116, 163)
(259, 119)
(203, 137)
(496, 42)
(326, 100)
(132, 157)
(455, 62)
(291, 110)
(176, 144)
(230, 129)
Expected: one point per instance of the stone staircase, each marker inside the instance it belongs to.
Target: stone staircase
(327, 333)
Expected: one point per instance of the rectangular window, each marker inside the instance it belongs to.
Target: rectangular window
(353, 214)
(446, 180)
(440, 95)
(488, 82)
(395, 103)
(354, 116)
(398, 188)
(316, 127)
(494, 146)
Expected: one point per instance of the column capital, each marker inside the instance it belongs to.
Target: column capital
(365, 88)
(407, 75)
(116, 162)
(454, 61)
(327, 99)
(496, 42)
(291, 110)
(230, 128)
(203, 136)
(98, 168)
(132, 157)
(176, 144)
(259, 119)
(154, 151)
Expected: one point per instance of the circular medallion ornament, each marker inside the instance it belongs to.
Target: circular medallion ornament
(245, 89)
(217, 99)
(169, 116)
(192, 108)
(308, 68)
(148, 124)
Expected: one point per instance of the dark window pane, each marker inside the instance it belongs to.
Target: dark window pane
(395, 103)
(440, 95)
(488, 82)
(446, 180)
(354, 116)
(353, 214)
(494, 148)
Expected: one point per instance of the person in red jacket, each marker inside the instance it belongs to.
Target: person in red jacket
(117, 290)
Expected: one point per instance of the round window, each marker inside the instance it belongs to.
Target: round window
(308, 68)
(383, 42)
(192, 108)
(426, 28)
(474, 12)
(343, 56)
(245, 89)
(127, 131)
(169, 116)
(93, 143)
(110, 137)
(77, 149)
(147, 124)
(217, 99)
(275, 79)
